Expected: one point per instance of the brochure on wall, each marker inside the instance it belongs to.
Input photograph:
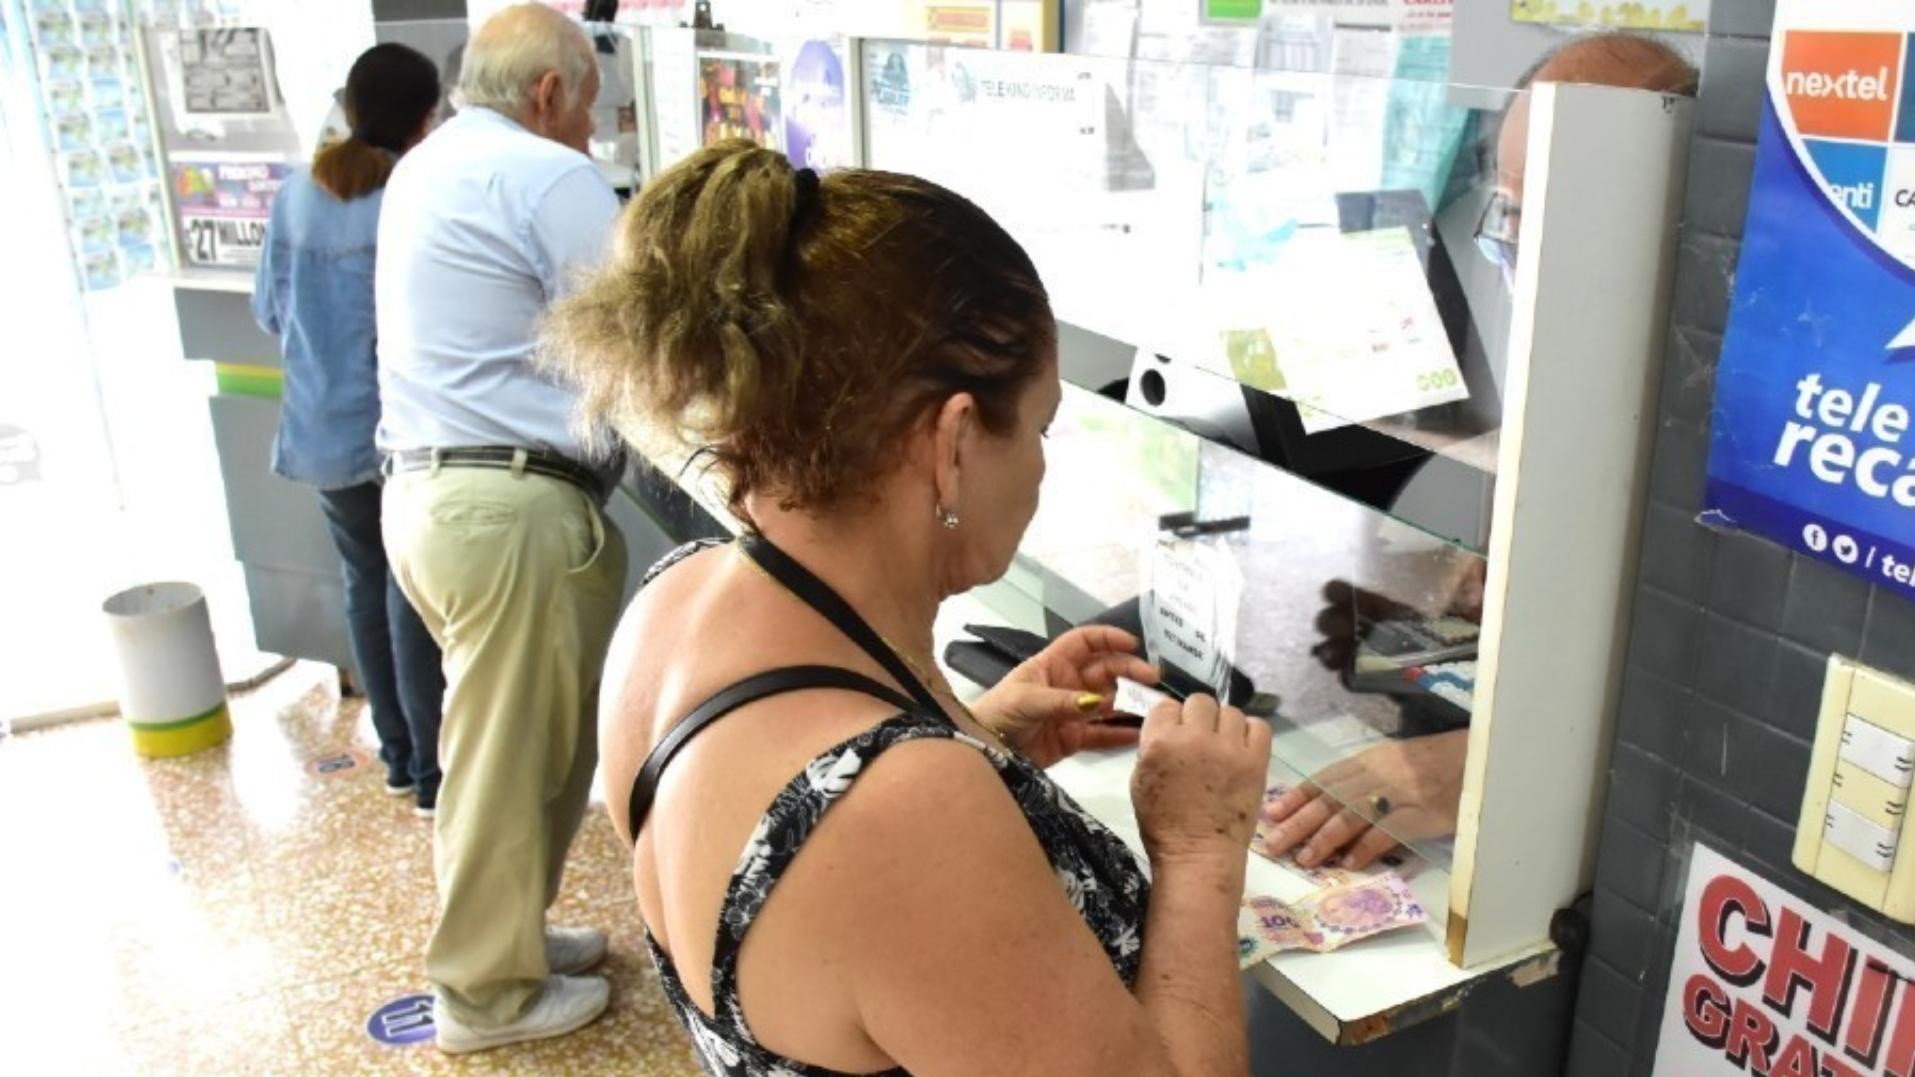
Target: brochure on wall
(224, 72)
(738, 96)
(1423, 131)
(1412, 15)
(817, 113)
(223, 202)
(675, 85)
(1633, 15)
(1042, 144)
(1765, 982)
(1815, 393)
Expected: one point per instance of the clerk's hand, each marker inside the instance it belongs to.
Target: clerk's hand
(1334, 815)
(1045, 707)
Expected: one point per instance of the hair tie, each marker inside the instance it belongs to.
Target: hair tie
(806, 182)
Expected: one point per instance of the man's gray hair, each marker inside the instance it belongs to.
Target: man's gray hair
(526, 41)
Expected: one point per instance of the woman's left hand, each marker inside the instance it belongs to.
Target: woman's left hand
(1051, 707)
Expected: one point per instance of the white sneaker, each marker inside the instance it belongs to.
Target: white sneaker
(572, 950)
(567, 1004)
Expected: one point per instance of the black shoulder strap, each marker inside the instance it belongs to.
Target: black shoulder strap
(745, 692)
(818, 594)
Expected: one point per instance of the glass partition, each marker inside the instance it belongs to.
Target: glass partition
(1312, 265)
(1308, 274)
(1352, 632)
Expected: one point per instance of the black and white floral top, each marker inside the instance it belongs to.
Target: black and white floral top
(1102, 878)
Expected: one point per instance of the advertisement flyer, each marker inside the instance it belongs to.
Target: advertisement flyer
(817, 116)
(1764, 982)
(1810, 441)
(739, 97)
(224, 72)
(1690, 15)
(224, 202)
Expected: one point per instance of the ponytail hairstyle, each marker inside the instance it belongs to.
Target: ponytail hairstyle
(390, 94)
(795, 329)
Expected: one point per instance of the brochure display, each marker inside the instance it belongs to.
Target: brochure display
(95, 119)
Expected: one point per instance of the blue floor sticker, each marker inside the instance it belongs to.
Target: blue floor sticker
(403, 1021)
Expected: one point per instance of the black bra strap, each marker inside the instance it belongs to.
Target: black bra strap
(745, 692)
(818, 594)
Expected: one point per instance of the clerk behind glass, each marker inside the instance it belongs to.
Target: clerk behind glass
(1420, 778)
(493, 519)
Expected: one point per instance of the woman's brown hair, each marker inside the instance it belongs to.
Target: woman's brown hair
(796, 328)
(390, 94)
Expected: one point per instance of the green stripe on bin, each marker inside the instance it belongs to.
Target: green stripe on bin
(239, 379)
(184, 737)
(161, 727)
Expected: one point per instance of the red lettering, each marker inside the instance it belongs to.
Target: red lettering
(1705, 1009)
(1752, 1038)
(1724, 896)
(1901, 1046)
(1826, 977)
(1798, 1059)
(1868, 1017)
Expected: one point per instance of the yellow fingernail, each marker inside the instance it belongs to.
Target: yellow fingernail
(1089, 702)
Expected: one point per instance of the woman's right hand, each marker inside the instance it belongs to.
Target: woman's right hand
(1199, 780)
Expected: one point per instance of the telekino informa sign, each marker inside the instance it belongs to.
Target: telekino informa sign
(1811, 441)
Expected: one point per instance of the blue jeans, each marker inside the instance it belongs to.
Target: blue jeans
(398, 661)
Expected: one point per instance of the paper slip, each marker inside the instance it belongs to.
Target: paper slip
(1137, 699)
(1329, 920)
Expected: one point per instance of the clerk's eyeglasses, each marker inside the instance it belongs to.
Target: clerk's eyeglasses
(1497, 229)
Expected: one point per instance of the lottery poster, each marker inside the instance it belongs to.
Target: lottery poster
(739, 98)
(224, 202)
(817, 116)
(1815, 392)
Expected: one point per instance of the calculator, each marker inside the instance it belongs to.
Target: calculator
(1429, 663)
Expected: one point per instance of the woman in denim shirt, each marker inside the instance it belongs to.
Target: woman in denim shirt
(315, 292)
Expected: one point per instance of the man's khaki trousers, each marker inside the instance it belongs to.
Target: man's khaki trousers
(519, 577)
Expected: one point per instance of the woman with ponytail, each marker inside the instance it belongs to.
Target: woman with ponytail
(314, 291)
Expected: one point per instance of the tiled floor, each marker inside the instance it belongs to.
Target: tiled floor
(233, 913)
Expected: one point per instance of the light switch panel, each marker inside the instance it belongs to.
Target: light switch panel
(1876, 750)
(1851, 834)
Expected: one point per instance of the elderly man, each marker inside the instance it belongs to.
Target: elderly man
(492, 515)
(1623, 60)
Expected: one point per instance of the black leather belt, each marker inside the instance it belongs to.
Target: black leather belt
(501, 458)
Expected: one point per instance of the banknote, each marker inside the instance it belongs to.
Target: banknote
(1348, 914)
(1327, 920)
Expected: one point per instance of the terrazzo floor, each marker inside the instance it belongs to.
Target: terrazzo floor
(238, 912)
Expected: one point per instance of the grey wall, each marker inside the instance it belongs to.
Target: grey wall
(1731, 633)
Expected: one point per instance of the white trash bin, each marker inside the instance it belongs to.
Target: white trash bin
(171, 692)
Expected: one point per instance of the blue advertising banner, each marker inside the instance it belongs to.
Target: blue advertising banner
(1811, 443)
